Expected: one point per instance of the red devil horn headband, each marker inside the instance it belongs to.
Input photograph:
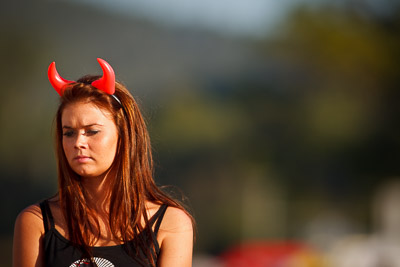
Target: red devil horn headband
(105, 83)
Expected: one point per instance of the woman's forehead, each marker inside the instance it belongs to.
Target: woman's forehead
(85, 113)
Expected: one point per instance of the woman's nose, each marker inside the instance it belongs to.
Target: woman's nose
(81, 141)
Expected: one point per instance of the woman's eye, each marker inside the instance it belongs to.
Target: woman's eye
(68, 133)
(91, 132)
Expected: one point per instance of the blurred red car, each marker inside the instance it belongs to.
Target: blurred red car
(271, 254)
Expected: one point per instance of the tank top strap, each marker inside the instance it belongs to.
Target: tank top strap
(157, 218)
(48, 220)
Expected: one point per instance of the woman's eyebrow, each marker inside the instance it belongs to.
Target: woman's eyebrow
(84, 126)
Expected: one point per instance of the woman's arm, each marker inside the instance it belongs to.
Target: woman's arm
(176, 239)
(28, 233)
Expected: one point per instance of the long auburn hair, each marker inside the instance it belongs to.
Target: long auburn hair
(132, 186)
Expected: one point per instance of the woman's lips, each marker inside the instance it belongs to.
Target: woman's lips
(82, 159)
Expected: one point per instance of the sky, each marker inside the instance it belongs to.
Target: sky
(232, 17)
(237, 17)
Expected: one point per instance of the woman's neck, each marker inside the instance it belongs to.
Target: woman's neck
(98, 190)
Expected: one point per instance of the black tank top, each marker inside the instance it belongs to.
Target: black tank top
(60, 252)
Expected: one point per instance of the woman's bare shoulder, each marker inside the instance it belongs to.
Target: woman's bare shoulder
(28, 231)
(175, 238)
(31, 218)
(176, 220)
(31, 212)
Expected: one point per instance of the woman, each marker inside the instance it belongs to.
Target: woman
(108, 210)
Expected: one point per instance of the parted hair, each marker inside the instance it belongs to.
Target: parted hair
(132, 185)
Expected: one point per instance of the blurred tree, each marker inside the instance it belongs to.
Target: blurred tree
(343, 133)
(315, 114)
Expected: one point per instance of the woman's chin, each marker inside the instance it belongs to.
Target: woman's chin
(85, 173)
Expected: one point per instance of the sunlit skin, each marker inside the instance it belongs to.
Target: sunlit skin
(90, 139)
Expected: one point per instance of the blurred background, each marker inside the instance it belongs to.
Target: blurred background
(277, 119)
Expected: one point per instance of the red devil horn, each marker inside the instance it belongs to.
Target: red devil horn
(56, 80)
(107, 82)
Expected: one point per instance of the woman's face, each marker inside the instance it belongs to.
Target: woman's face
(90, 138)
